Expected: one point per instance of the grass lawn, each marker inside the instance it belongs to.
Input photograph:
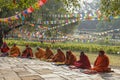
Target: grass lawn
(114, 59)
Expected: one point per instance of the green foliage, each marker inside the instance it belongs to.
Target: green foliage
(55, 7)
(71, 4)
(20, 4)
(7, 6)
(50, 8)
(93, 48)
(110, 7)
(23, 4)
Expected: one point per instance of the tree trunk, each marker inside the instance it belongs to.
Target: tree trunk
(1, 37)
(5, 32)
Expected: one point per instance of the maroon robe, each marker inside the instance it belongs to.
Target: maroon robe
(27, 53)
(83, 63)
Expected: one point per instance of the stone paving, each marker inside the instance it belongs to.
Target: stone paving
(34, 69)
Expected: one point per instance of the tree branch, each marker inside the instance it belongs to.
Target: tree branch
(17, 26)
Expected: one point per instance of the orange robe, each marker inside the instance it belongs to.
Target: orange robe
(40, 54)
(27, 53)
(59, 57)
(48, 54)
(101, 64)
(70, 60)
(14, 51)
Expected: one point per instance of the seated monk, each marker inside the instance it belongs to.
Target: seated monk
(101, 63)
(4, 50)
(48, 53)
(59, 57)
(40, 53)
(14, 51)
(83, 63)
(27, 53)
(70, 58)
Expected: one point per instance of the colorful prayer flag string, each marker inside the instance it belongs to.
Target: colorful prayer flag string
(25, 12)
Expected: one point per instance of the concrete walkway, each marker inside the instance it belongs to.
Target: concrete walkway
(33, 69)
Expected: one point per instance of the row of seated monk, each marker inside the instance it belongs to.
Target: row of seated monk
(101, 63)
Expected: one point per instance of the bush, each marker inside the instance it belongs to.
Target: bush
(69, 46)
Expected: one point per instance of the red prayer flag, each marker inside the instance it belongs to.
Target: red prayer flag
(44, 1)
(30, 10)
(40, 3)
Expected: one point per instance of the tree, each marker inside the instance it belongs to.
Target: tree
(56, 8)
(9, 8)
(110, 7)
(15, 6)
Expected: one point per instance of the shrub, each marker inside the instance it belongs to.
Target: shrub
(69, 46)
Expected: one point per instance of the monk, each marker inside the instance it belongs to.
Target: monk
(15, 51)
(4, 50)
(59, 57)
(101, 64)
(27, 53)
(40, 53)
(48, 53)
(83, 63)
(70, 58)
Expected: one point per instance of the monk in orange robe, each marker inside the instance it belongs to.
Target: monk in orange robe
(83, 63)
(40, 53)
(4, 50)
(15, 51)
(48, 53)
(59, 57)
(70, 58)
(27, 53)
(101, 63)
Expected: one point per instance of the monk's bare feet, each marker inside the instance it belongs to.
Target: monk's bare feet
(73, 67)
(50, 60)
(90, 72)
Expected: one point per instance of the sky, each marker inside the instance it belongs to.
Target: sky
(85, 6)
(89, 5)
(89, 1)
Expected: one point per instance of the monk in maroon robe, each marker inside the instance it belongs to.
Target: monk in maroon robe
(27, 53)
(83, 63)
(4, 50)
